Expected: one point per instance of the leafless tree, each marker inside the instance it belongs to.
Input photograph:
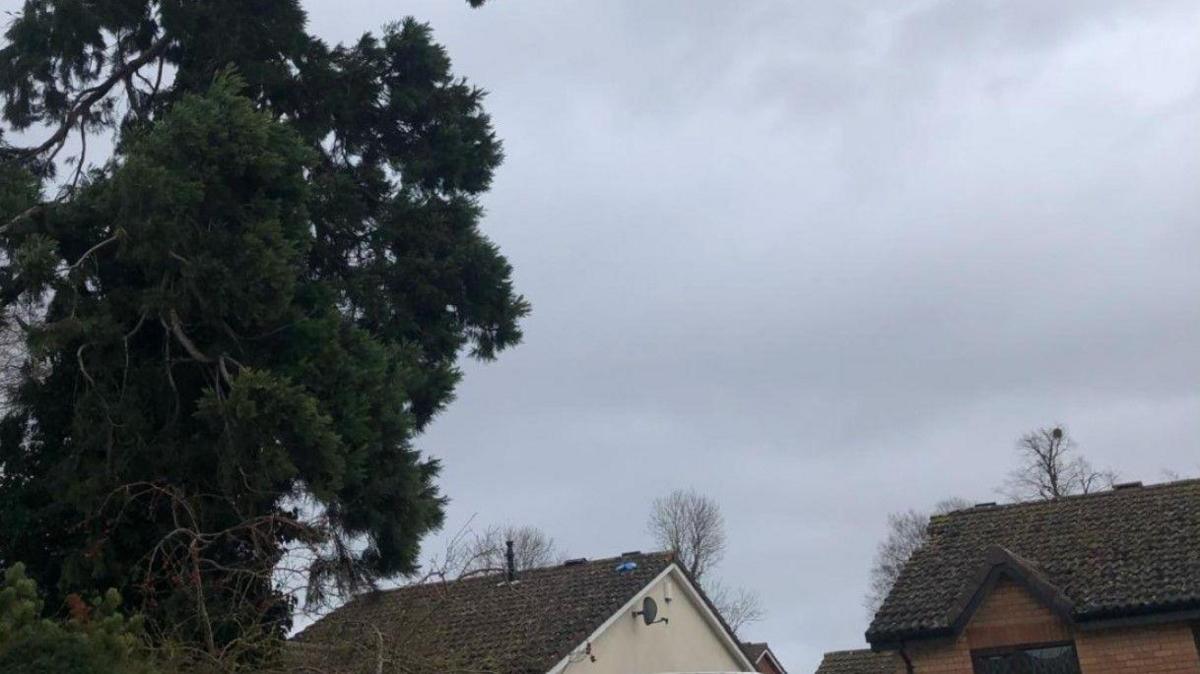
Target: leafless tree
(1172, 475)
(907, 532)
(1049, 470)
(689, 524)
(532, 548)
(739, 606)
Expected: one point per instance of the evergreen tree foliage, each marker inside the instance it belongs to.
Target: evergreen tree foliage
(94, 639)
(236, 326)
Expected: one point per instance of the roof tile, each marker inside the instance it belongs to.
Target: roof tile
(858, 662)
(481, 623)
(1111, 554)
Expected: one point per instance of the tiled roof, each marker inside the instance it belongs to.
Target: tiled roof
(754, 651)
(480, 624)
(858, 662)
(1112, 554)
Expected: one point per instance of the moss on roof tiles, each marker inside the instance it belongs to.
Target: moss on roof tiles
(476, 624)
(1112, 554)
(858, 662)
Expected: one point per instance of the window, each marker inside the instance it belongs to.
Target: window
(1049, 659)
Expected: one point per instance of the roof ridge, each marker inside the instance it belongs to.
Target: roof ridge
(485, 574)
(975, 510)
(852, 651)
(652, 553)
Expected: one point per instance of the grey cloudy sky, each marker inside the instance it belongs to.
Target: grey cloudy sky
(823, 261)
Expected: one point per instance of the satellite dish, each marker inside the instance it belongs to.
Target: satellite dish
(649, 611)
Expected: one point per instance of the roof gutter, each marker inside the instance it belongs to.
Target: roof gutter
(1138, 619)
(899, 640)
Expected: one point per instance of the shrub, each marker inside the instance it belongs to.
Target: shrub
(95, 638)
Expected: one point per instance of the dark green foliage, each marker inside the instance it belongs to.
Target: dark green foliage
(94, 639)
(258, 301)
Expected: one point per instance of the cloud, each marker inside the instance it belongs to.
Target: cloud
(823, 261)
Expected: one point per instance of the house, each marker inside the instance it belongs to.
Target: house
(1103, 583)
(763, 658)
(633, 614)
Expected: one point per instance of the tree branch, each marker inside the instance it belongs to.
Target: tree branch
(88, 97)
(115, 237)
(23, 215)
(188, 344)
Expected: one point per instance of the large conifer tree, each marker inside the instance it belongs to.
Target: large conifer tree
(234, 328)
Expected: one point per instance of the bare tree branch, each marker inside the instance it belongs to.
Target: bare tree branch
(738, 606)
(907, 532)
(532, 548)
(223, 590)
(689, 524)
(1049, 471)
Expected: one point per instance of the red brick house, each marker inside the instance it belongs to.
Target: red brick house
(1104, 583)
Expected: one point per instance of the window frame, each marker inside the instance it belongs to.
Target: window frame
(977, 655)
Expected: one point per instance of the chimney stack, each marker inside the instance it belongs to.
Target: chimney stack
(511, 559)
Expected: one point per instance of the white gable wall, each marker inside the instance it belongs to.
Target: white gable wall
(690, 642)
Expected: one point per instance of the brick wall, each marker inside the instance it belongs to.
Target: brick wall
(1158, 649)
(1011, 616)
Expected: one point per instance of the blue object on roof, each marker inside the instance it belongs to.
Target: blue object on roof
(626, 567)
